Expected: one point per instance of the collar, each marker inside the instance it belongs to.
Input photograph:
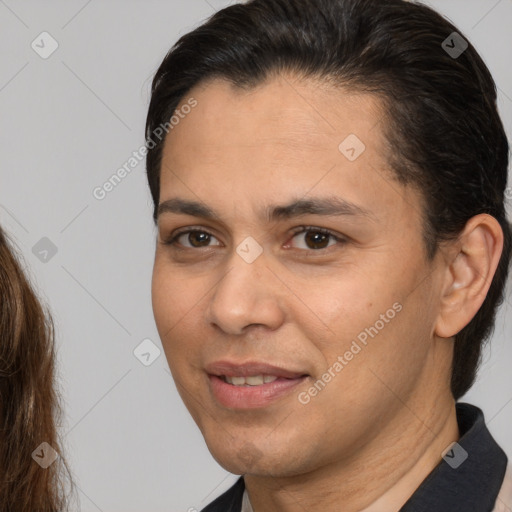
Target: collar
(471, 486)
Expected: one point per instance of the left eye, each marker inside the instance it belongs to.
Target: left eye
(315, 238)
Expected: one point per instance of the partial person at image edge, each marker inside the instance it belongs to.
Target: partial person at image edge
(34, 476)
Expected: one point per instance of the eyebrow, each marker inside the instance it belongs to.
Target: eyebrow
(330, 206)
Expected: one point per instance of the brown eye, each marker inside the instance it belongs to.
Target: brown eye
(193, 239)
(315, 239)
(198, 238)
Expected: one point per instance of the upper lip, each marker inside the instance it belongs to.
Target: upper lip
(246, 369)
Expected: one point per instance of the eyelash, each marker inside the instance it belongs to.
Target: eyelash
(172, 241)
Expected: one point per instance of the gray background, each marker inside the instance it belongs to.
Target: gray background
(68, 123)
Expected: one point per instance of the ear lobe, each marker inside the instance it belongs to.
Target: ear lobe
(470, 273)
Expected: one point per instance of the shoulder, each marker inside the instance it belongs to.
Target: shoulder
(230, 501)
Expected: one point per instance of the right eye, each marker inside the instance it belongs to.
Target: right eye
(191, 239)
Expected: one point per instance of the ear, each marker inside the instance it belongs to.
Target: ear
(473, 259)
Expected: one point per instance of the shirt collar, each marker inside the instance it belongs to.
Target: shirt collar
(470, 475)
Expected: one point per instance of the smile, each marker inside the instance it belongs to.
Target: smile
(251, 385)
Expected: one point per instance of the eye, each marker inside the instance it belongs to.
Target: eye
(311, 238)
(192, 239)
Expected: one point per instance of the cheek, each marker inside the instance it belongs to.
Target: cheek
(179, 302)
(371, 313)
(173, 301)
(347, 302)
(163, 300)
(385, 346)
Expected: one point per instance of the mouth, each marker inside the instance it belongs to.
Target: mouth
(251, 385)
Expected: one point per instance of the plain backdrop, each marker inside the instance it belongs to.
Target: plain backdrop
(68, 122)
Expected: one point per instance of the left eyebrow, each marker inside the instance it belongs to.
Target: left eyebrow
(330, 206)
(316, 206)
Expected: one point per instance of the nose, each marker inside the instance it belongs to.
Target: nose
(248, 294)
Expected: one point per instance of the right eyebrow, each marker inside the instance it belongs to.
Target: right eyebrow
(186, 207)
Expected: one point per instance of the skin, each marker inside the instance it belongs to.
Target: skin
(375, 431)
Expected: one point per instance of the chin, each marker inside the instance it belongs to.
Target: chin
(247, 458)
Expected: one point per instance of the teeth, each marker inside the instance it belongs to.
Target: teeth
(252, 380)
(256, 380)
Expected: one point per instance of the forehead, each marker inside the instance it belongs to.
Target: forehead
(299, 115)
(285, 138)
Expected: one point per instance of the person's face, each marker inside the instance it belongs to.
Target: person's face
(225, 310)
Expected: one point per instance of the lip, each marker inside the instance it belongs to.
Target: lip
(251, 397)
(233, 369)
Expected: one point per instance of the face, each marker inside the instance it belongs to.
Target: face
(291, 288)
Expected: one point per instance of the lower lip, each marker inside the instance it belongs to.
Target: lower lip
(251, 397)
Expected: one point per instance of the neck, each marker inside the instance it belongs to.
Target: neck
(383, 475)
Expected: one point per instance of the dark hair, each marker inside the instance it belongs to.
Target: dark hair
(441, 114)
(29, 407)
